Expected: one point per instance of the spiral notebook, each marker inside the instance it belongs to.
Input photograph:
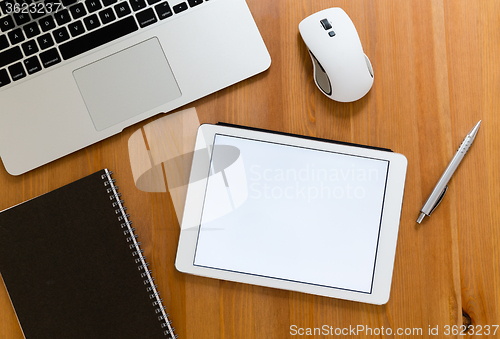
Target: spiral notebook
(73, 266)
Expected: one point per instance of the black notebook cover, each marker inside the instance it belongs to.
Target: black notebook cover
(67, 262)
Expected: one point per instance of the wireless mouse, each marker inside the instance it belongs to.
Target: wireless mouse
(341, 69)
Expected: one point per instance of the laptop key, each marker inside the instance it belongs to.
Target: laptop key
(146, 17)
(98, 37)
(50, 57)
(62, 17)
(137, 4)
(122, 9)
(163, 10)
(17, 71)
(4, 77)
(39, 12)
(47, 23)
(193, 3)
(107, 15)
(21, 18)
(77, 11)
(67, 3)
(61, 34)
(11, 55)
(152, 2)
(91, 22)
(31, 30)
(7, 6)
(32, 65)
(49, 4)
(29, 47)
(180, 7)
(4, 43)
(93, 5)
(45, 41)
(76, 28)
(109, 2)
(7, 23)
(16, 36)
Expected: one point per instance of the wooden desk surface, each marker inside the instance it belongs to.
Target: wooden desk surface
(436, 75)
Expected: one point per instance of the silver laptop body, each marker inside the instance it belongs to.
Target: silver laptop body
(83, 98)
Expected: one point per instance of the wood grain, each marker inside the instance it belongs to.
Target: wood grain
(436, 74)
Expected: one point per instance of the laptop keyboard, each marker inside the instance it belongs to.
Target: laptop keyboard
(37, 35)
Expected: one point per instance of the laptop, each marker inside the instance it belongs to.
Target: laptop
(76, 72)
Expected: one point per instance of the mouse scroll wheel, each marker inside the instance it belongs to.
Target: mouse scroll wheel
(326, 24)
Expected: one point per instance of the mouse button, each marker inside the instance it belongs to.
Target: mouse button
(326, 24)
(344, 26)
(310, 35)
(320, 77)
(369, 65)
(315, 60)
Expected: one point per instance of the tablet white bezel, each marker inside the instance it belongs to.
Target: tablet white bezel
(388, 231)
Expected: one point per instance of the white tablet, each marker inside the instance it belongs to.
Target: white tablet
(293, 213)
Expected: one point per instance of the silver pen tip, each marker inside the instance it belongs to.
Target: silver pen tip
(474, 130)
(421, 217)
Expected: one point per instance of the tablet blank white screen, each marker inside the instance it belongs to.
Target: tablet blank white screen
(292, 213)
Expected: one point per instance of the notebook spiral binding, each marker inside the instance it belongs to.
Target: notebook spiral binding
(137, 251)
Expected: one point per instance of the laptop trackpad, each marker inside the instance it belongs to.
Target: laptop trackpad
(127, 84)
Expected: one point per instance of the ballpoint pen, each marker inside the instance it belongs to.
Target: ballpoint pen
(442, 185)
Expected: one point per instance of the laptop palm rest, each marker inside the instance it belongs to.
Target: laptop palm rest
(126, 84)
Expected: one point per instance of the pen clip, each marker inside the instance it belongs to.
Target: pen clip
(439, 199)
